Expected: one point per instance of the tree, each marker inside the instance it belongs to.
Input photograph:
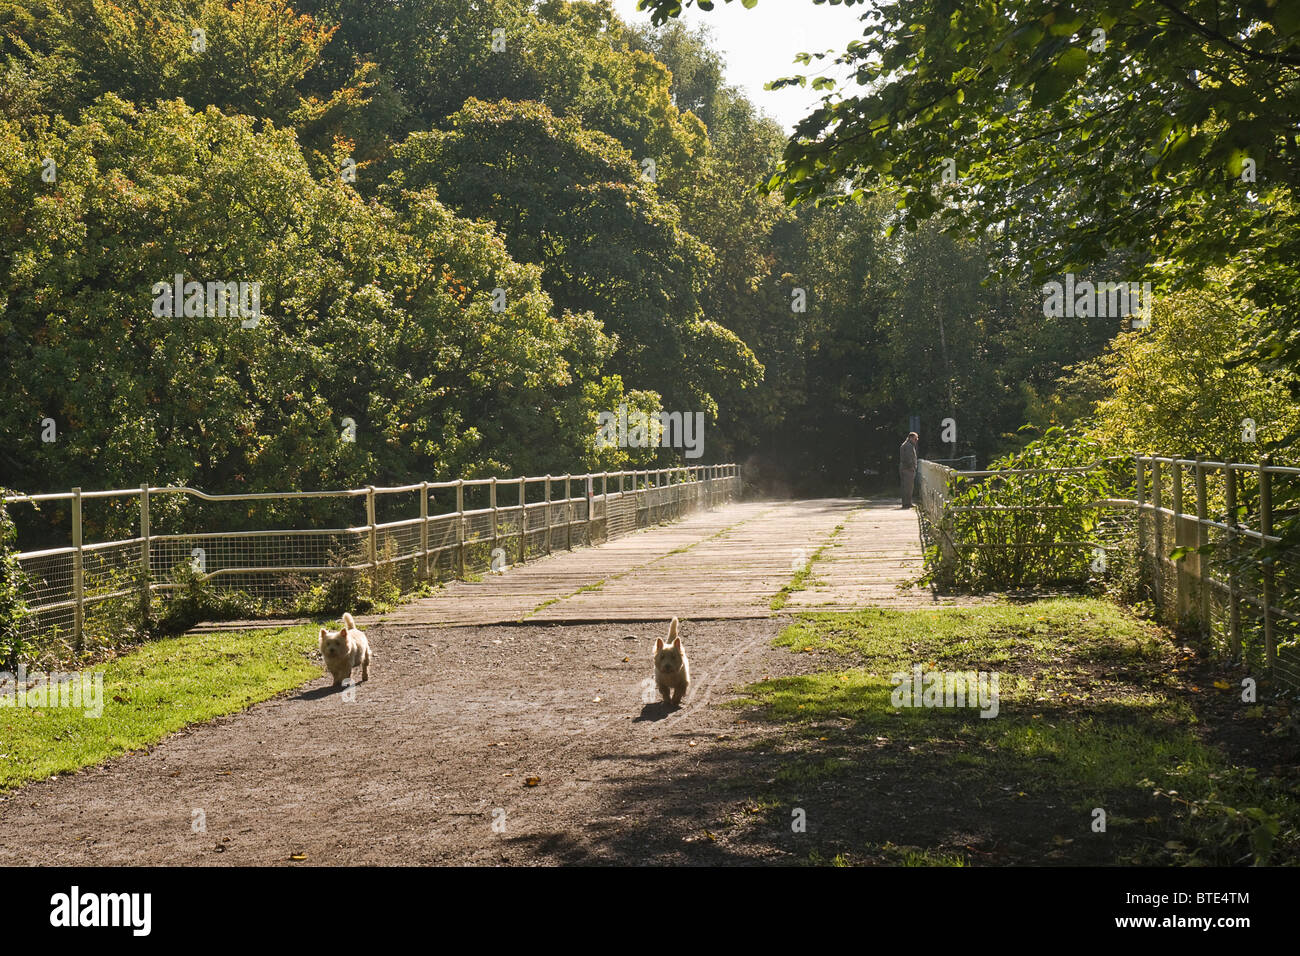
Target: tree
(576, 202)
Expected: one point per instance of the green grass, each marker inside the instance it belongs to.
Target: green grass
(1093, 713)
(152, 692)
(801, 577)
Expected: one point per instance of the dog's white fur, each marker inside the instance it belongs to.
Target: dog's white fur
(344, 650)
(672, 670)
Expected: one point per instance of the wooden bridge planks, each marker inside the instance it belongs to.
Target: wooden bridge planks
(727, 563)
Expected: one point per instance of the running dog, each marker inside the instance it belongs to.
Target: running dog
(672, 670)
(343, 650)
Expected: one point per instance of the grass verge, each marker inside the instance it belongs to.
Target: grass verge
(150, 693)
(1102, 717)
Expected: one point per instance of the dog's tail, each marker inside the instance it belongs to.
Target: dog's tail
(350, 624)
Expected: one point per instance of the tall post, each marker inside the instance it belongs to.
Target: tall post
(1202, 539)
(460, 528)
(1180, 539)
(492, 503)
(424, 531)
(1140, 494)
(1157, 504)
(548, 514)
(589, 490)
(1234, 605)
(1266, 528)
(373, 536)
(78, 581)
(146, 608)
(523, 519)
(568, 512)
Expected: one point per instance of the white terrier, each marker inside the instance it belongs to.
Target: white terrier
(344, 650)
(672, 670)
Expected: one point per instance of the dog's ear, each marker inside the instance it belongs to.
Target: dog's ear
(677, 643)
(323, 632)
(659, 644)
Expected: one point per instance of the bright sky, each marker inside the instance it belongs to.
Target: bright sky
(759, 45)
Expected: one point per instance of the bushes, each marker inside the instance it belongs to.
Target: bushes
(1030, 529)
(13, 610)
(195, 600)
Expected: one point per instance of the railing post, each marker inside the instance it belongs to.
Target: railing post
(523, 519)
(78, 581)
(1140, 494)
(1157, 503)
(568, 512)
(1180, 539)
(591, 501)
(373, 536)
(1266, 528)
(146, 605)
(424, 530)
(548, 514)
(460, 528)
(1234, 605)
(1202, 539)
(492, 503)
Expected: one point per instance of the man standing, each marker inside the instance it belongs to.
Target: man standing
(907, 466)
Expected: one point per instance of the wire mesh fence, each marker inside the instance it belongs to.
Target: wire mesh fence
(1197, 535)
(388, 542)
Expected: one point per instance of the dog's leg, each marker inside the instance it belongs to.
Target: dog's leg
(365, 667)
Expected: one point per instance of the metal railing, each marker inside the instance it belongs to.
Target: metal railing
(1199, 533)
(432, 530)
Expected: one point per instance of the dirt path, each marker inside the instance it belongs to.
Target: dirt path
(451, 727)
(442, 742)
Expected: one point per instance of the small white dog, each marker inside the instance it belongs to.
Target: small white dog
(344, 650)
(672, 670)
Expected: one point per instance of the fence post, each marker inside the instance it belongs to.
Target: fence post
(1180, 539)
(1202, 539)
(424, 530)
(374, 544)
(460, 528)
(548, 514)
(1140, 494)
(568, 513)
(78, 581)
(523, 519)
(1157, 503)
(590, 489)
(1266, 528)
(145, 602)
(1234, 607)
(492, 503)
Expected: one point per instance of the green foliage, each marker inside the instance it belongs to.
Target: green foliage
(13, 610)
(1023, 528)
(1175, 388)
(194, 599)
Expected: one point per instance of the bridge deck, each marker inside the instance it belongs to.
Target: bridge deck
(728, 563)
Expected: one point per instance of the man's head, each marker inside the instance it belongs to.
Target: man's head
(913, 437)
